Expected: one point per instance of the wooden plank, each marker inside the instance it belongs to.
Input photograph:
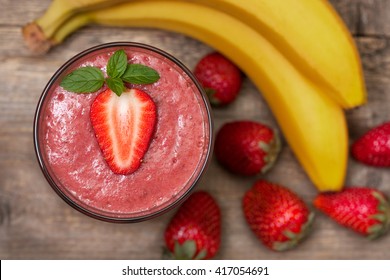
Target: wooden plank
(36, 224)
(373, 18)
(16, 13)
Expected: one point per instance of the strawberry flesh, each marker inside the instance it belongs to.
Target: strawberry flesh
(123, 127)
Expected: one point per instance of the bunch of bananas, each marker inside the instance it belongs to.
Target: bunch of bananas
(298, 53)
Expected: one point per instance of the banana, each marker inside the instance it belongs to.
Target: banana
(313, 124)
(309, 33)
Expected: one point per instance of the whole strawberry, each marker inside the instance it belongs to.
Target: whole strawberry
(247, 147)
(195, 230)
(278, 217)
(373, 148)
(220, 77)
(362, 209)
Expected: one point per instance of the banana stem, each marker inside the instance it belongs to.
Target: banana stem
(35, 38)
(37, 34)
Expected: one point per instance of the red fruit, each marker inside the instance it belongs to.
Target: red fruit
(373, 148)
(220, 77)
(246, 147)
(278, 217)
(123, 127)
(195, 230)
(363, 210)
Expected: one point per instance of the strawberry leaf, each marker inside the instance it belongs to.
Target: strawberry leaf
(185, 251)
(290, 235)
(381, 217)
(375, 228)
(83, 80)
(116, 85)
(117, 64)
(201, 255)
(210, 92)
(295, 238)
(140, 74)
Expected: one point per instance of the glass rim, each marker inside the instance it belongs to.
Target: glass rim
(39, 153)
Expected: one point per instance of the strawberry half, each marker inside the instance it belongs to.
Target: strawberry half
(195, 230)
(123, 127)
(362, 209)
(277, 216)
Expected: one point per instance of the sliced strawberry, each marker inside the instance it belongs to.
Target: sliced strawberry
(123, 127)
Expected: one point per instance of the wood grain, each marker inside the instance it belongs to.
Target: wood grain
(36, 224)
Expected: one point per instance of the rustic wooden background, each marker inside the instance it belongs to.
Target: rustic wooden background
(36, 224)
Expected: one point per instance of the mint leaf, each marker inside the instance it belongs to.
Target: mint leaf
(83, 80)
(116, 85)
(117, 64)
(140, 74)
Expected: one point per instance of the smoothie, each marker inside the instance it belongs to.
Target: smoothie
(179, 149)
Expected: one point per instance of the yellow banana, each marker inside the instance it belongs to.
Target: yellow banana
(313, 124)
(61, 10)
(309, 33)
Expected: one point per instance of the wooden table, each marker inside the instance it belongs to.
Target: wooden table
(36, 224)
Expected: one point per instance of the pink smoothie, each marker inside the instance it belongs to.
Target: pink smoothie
(176, 156)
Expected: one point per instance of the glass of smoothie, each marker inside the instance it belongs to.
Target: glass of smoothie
(178, 152)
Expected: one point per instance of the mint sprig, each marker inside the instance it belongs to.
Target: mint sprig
(89, 79)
